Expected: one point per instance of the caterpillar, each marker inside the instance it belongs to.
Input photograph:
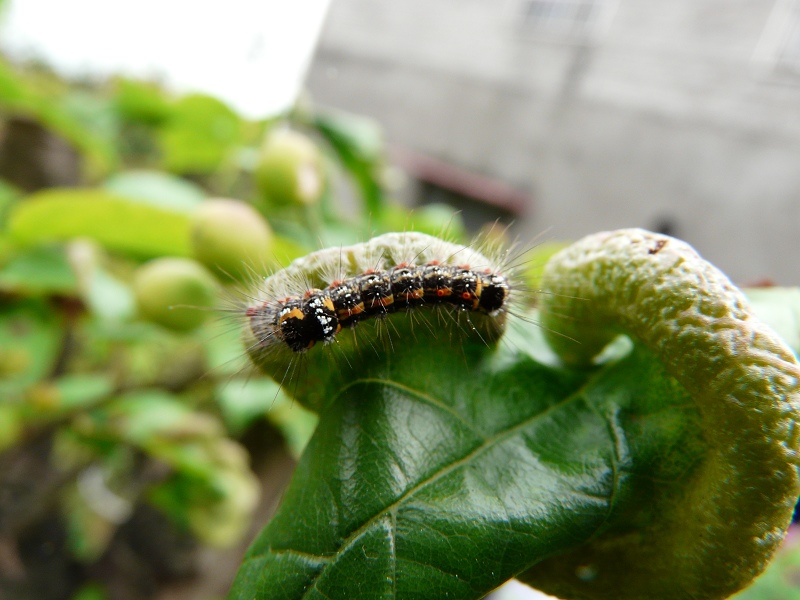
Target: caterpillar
(319, 314)
(317, 297)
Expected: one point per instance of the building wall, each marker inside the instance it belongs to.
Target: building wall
(669, 113)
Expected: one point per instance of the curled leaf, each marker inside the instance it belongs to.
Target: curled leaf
(714, 537)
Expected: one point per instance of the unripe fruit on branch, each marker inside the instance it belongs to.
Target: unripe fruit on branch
(174, 292)
(231, 238)
(289, 171)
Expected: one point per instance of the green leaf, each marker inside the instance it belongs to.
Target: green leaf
(295, 423)
(80, 391)
(13, 90)
(96, 117)
(780, 308)
(117, 223)
(88, 531)
(109, 298)
(62, 115)
(91, 591)
(83, 390)
(199, 135)
(38, 270)
(145, 417)
(441, 474)
(11, 429)
(70, 394)
(435, 218)
(212, 489)
(157, 189)
(358, 143)
(142, 102)
(29, 341)
(8, 195)
(242, 402)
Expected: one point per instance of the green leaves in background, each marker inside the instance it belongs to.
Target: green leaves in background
(199, 135)
(8, 195)
(73, 117)
(157, 189)
(780, 308)
(116, 222)
(142, 102)
(71, 393)
(244, 401)
(29, 339)
(38, 270)
(358, 143)
(210, 488)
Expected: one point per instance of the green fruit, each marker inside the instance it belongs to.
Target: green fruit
(230, 238)
(289, 170)
(174, 292)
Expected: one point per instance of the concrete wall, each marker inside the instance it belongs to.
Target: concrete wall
(670, 112)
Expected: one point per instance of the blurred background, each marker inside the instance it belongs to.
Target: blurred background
(575, 116)
(158, 156)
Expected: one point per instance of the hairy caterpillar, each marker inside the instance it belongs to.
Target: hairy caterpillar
(315, 299)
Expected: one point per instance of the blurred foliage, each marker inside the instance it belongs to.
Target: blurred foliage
(69, 113)
(142, 406)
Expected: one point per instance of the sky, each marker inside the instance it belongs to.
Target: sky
(253, 54)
